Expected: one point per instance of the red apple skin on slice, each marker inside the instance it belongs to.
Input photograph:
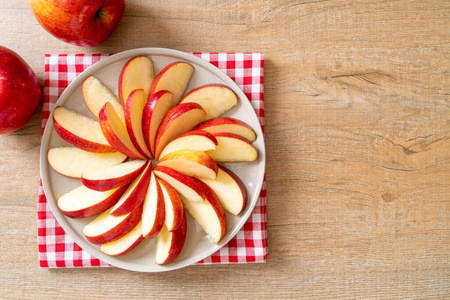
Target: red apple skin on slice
(156, 108)
(133, 120)
(80, 131)
(170, 244)
(192, 140)
(95, 95)
(216, 99)
(230, 189)
(137, 73)
(232, 148)
(113, 177)
(84, 203)
(72, 162)
(116, 133)
(174, 78)
(183, 184)
(174, 209)
(106, 228)
(180, 119)
(154, 212)
(134, 195)
(191, 163)
(125, 244)
(209, 214)
(230, 125)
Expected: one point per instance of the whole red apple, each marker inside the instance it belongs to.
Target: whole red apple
(85, 23)
(20, 94)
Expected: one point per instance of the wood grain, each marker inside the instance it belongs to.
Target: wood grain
(357, 137)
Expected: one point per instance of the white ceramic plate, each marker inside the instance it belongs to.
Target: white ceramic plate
(198, 245)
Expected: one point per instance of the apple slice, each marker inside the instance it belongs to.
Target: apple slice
(232, 148)
(180, 119)
(106, 228)
(125, 244)
(116, 133)
(135, 193)
(173, 206)
(156, 108)
(133, 120)
(216, 99)
(192, 140)
(80, 131)
(191, 163)
(170, 244)
(230, 125)
(137, 73)
(183, 184)
(173, 78)
(113, 177)
(84, 203)
(230, 189)
(72, 162)
(209, 214)
(154, 212)
(95, 95)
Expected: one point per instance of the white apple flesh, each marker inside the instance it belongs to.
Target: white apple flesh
(137, 73)
(180, 119)
(72, 162)
(191, 163)
(230, 189)
(80, 131)
(135, 193)
(169, 244)
(133, 120)
(115, 132)
(96, 94)
(83, 202)
(232, 148)
(125, 244)
(153, 214)
(183, 184)
(155, 109)
(209, 214)
(173, 78)
(173, 207)
(192, 140)
(216, 99)
(106, 228)
(116, 176)
(229, 125)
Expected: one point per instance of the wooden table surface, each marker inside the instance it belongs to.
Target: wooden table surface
(357, 139)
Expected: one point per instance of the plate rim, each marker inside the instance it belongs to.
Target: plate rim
(44, 165)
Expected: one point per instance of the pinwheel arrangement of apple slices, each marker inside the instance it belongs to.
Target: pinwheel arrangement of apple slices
(151, 154)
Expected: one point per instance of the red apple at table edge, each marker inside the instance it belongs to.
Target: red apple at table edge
(84, 23)
(20, 94)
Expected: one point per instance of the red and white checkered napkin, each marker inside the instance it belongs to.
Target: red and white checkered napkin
(56, 248)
